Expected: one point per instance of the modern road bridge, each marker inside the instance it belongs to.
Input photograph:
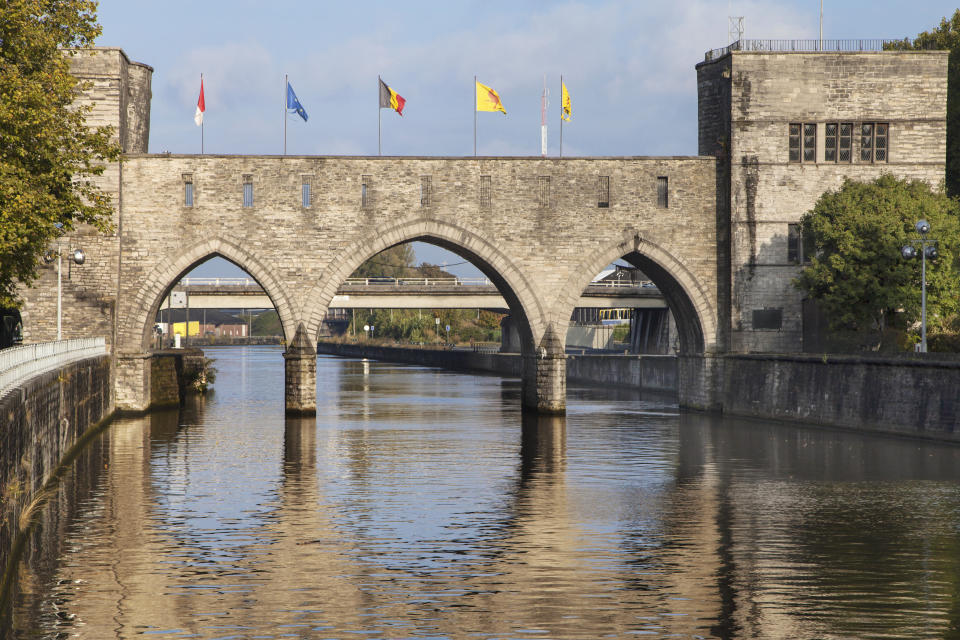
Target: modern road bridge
(404, 293)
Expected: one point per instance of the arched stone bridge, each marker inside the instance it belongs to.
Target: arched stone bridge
(536, 227)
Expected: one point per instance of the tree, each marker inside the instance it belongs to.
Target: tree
(945, 36)
(47, 153)
(857, 274)
(395, 262)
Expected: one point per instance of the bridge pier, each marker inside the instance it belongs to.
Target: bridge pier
(544, 377)
(300, 375)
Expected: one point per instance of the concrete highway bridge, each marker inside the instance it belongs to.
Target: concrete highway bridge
(404, 293)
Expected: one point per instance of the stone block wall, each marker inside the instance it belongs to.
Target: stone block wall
(908, 397)
(39, 422)
(764, 93)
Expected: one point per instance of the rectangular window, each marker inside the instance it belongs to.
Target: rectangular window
(603, 192)
(188, 193)
(663, 192)
(426, 187)
(365, 192)
(874, 142)
(768, 319)
(794, 142)
(486, 187)
(794, 244)
(305, 195)
(846, 142)
(543, 191)
(803, 142)
(247, 191)
(809, 143)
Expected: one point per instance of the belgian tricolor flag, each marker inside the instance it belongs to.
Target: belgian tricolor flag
(390, 99)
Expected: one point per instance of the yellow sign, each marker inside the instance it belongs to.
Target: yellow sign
(179, 329)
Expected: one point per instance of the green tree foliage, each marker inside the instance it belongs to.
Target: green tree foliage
(857, 274)
(47, 154)
(395, 262)
(266, 324)
(945, 36)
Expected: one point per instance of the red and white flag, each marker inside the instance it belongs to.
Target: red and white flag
(201, 107)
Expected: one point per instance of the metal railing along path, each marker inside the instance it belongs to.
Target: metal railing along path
(19, 364)
(400, 282)
(800, 46)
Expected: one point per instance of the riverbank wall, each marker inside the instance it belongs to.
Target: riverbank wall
(918, 398)
(649, 373)
(39, 422)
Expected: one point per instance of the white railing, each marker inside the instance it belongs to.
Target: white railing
(19, 364)
(621, 284)
(218, 282)
(417, 282)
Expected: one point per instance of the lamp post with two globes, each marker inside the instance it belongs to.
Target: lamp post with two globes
(925, 249)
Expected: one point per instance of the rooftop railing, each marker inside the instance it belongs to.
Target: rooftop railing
(19, 364)
(809, 45)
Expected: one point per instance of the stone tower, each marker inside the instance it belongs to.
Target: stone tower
(785, 126)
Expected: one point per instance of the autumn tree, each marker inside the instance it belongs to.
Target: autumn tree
(48, 156)
(857, 274)
(945, 36)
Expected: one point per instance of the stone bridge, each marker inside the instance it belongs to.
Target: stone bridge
(534, 227)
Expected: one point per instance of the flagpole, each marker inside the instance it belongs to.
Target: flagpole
(286, 90)
(474, 116)
(379, 117)
(561, 116)
(201, 121)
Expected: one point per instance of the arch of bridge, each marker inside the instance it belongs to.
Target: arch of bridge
(512, 283)
(135, 333)
(690, 301)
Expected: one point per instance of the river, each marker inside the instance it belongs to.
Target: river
(423, 504)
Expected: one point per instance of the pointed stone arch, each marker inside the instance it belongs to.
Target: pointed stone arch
(693, 307)
(513, 285)
(134, 333)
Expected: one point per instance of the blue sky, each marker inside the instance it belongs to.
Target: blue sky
(629, 66)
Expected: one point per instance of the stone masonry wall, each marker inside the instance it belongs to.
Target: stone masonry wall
(768, 91)
(39, 422)
(909, 397)
(118, 93)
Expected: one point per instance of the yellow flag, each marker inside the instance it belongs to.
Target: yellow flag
(488, 99)
(565, 102)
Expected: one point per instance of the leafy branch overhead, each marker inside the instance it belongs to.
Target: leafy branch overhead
(49, 158)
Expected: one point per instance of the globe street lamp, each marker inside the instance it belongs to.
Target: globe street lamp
(78, 257)
(926, 249)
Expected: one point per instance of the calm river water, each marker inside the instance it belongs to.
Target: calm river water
(422, 504)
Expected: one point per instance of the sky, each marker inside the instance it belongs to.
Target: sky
(628, 65)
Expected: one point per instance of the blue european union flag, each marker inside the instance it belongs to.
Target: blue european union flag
(294, 105)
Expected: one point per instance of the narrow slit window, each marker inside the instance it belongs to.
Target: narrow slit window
(486, 187)
(880, 142)
(603, 192)
(247, 192)
(426, 189)
(305, 195)
(662, 192)
(188, 193)
(543, 191)
(365, 192)
(794, 244)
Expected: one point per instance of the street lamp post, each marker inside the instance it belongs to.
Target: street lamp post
(78, 257)
(927, 249)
